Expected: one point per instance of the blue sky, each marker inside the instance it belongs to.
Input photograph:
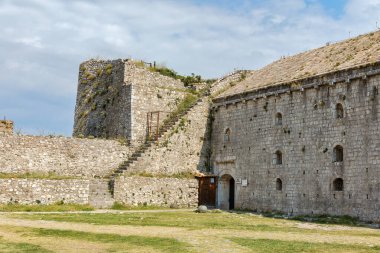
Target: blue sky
(43, 42)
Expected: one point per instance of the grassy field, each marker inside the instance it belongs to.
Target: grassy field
(178, 231)
(58, 207)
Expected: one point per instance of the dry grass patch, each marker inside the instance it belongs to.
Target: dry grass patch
(275, 246)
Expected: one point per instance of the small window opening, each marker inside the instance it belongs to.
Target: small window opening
(227, 135)
(338, 154)
(338, 184)
(339, 111)
(278, 119)
(277, 157)
(278, 184)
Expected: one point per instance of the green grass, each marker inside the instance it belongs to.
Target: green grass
(194, 221)
(275, 246)
(35, 175)
(165, 71)
(184, 219)
(121, 206)
(58, 207)
(183, 106)
(243, 228)
(326, 219)
(8, 247)
(179, 175)
(157, 243)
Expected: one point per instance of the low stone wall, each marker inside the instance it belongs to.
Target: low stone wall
(43, 191)
(85, 158)
(156, 191)
(170, 192)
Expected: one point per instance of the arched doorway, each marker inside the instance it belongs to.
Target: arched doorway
(226, 192)
(231, 198)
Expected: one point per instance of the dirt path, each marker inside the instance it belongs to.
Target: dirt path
(204, 240)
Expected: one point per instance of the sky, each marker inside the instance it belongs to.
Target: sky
(42, 43)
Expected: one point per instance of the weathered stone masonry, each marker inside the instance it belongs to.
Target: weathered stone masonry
(157, 191)
(44, 191)
(74, 157)
(291, 164)
(170, 192)
(298, 136)
(114, 98)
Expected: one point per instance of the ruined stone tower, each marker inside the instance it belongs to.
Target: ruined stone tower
(114, 98)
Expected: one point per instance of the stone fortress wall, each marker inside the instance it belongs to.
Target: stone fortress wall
(170, 192)
(61, 156)
(103, 101)
(308, 145)
(151, 92)
(44, 191)
(319, 137)
(114, 98)
(81, 167)
(185, 148)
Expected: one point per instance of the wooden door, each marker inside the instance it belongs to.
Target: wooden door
(207, 191)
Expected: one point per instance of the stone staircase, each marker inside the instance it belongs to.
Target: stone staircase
(136, 155)
(139, 152)
(100, 195)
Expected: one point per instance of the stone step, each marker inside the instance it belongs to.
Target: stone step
(100, 195)
(148, 144)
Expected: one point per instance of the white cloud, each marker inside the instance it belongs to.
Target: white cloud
(34, 41)
(43, 41)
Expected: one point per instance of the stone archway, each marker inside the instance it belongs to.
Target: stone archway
(226, 192)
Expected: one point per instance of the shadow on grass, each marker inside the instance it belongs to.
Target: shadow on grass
(6, 247)
(319, 219)
(158, 243)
